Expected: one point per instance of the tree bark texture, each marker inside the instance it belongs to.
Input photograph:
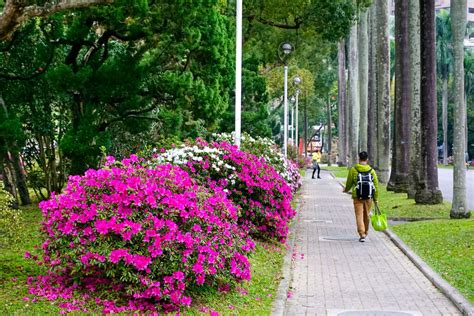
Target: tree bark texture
(15, 12)
(458, 25)
(428, 191)
(329, 131)
(444, 113)
(383, 92)
(354, 100)
(401, 134)
(363, 48)
(372, 90)
(415, 133)
(341, 93)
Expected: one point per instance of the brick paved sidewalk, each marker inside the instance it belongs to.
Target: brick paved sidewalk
(332, 271)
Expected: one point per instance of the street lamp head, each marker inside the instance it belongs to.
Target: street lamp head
(298, 91)
(293, 99)
(297, 80)
(287, 48)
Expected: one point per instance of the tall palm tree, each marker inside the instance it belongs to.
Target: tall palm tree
(372, 89)
(428, 191)
(341, 85)
(444, 61)
(414, 57)
(401, 133)
(363, 77)
(458, 24)
(383, 91)
(354, 100)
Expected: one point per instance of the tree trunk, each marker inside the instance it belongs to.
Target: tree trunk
(306, 125)
(428, 191)
(354, 96)
(372, 90)
(341, 92)
(414, 58)
(458, 26)
(21, 179)
(444, 106)
(329, 132)
(8, 175)
(401, 134)
(383, 92)
(363, 78)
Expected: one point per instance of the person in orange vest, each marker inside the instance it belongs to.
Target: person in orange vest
(316, 160)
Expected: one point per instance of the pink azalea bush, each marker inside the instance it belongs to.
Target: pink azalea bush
(142, 236)
(267, 149)
(262, 194)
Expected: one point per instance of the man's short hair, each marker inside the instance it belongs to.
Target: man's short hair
(363, 155)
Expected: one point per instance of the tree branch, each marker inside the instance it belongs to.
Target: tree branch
(15, 12)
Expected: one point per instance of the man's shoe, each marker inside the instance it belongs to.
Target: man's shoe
(362, 239)
(319, 177)
(312, 177)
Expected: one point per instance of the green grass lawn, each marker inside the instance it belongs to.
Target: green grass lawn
(338, 172)
(447, 246)
(397, 206)
(266, 263)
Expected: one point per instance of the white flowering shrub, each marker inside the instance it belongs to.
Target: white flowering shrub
(268, 149)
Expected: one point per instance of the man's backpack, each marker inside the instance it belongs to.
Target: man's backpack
(365, 185)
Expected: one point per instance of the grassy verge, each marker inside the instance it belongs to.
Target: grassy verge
(338, 172)
(397, 206)
(447, 246)
(254, 298)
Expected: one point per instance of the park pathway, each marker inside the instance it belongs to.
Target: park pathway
(332, 273)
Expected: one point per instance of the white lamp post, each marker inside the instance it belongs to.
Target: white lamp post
(284, 50)
(238, 73)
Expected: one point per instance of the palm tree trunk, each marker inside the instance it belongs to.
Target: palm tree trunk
(354, 95)
(383, 91)
(458, 25)
(401, 136)
(341, 92)
(372, 90)
(363, 78)
(414, 57)
(329, 131)
(444, 106)
(428, 191)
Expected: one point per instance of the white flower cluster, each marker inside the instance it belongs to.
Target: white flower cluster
(182, 155)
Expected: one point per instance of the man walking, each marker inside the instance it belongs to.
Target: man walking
(363, 181)
(316, 160)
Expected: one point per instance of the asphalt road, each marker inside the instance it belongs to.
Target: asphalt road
(445, 177)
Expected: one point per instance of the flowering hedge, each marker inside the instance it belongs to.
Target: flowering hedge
(145, 236)
(268, 150)
(263, 195)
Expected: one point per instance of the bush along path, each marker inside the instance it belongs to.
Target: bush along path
(141, 234)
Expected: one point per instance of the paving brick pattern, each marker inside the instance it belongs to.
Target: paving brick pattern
(344, 274)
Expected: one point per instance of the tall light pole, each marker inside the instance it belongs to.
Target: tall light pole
(283, 51)
(297, 81)
(238, 74)
(292, 132)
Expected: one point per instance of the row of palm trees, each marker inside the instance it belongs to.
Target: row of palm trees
(405, 157)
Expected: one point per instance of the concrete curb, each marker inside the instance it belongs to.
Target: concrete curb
(278, 306)
(449, 291)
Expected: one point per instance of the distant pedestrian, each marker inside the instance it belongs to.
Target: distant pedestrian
(316, 160)
(363, 181)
